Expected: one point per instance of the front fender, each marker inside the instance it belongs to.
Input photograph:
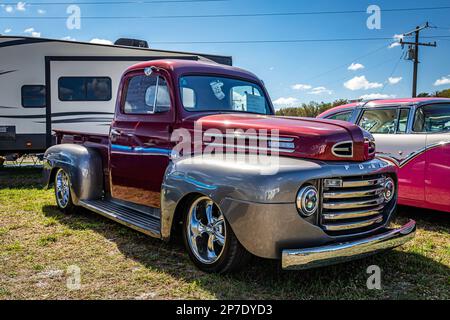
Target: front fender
(259, 207)
(82, 164)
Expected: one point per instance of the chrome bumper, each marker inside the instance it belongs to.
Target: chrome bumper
(300, 259)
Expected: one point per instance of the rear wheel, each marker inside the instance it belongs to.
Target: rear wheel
(62, 192)
(211, 244)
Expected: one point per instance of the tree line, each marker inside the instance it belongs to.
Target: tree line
(313, 109)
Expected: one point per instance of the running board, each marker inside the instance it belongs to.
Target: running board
(134, 219)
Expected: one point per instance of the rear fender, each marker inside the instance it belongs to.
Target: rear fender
(82, 164)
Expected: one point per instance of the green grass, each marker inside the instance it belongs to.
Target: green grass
(38, 243)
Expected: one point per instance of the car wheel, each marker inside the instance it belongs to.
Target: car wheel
(211, 244)
(62, 192)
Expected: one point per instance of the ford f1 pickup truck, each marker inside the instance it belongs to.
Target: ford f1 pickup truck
(244, 182)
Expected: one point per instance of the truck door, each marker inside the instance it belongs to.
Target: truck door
(434, 120)
(140, 144)
(394, 142)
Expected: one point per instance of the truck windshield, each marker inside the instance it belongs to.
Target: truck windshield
(209, 93)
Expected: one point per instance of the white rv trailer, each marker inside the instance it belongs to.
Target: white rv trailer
(48, 84)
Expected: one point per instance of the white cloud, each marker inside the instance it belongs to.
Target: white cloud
(394, 44)
(285, 102)
(320, 90)
(300, 86)
(68, 38)
(442, 81)
(100, 41)
(376, 96)
(9, 9)
(397, 38)
(355, 66)
(8, 30)
(358, 83)
(21, 6)
(32, 32)
(394, 80)
(41, 11)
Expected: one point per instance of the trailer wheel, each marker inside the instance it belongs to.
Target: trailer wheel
(62, 192)
(211, 244)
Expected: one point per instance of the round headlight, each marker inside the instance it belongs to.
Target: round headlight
(389, 189)
(307, 200)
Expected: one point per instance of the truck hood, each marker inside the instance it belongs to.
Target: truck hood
(308, 138)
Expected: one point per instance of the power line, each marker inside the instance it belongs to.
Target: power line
(393, 71)
(347, 63)
(283, 41)
(230, 15)
(107, 2)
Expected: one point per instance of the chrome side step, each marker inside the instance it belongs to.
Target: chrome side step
(137, 220)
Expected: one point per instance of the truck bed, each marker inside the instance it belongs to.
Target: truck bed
(90, 140)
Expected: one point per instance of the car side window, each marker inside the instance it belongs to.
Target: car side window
(403, 120)
(432, 118)
(147, 95)
(344, 116)
(379, 120)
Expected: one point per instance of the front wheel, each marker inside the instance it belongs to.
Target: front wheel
(211, 244)
(62, 192)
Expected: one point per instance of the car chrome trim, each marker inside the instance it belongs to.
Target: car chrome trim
(353, 204)
(353, 225)
(405, 161)
(351, 214)
(239, 135)
(352, 194)
(245, 147)
(362, 183)
(301, 259)
(339, 148)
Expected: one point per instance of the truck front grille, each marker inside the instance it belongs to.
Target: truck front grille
(352, 204)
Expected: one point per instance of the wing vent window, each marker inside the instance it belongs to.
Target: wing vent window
(343, 149)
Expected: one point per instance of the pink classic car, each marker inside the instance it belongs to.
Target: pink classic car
(414, 134)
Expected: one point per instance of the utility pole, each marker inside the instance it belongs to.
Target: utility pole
(415, 56)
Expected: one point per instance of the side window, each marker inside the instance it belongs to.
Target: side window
(33, 96)
(344, 116)
(247, 98)
(403, 121)
(147, 95)
(84, 89)
(379, 120)
(432, 118)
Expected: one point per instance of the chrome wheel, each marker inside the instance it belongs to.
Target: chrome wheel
(206, 230)
(62, 188)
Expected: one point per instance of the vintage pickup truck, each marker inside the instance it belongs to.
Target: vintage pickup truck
(309, 192)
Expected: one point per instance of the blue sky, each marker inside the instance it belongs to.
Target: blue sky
(293, 72)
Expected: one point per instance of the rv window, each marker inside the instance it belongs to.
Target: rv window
(33, 96)
(84, 89)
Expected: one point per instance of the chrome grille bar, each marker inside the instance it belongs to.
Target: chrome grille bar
(362, 183)
(353, 204)
(352, 214)
(353, 225)
(353, 194)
